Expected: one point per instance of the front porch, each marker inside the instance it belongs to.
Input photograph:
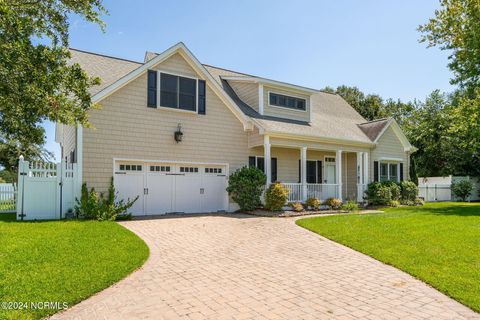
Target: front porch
(321, 171)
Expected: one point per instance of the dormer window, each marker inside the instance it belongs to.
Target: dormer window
(176, 92)
(280, 100)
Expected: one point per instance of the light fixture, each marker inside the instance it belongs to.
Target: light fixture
(178, 135)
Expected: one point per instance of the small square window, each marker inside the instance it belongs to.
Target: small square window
(139, 168)
(168, 169)
(122, 167)
(182, 169)
(127, 167)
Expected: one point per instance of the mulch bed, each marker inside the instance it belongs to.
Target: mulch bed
(287, 213)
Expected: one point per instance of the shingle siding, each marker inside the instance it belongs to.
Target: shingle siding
(389, 146)
(247, 92)
(285, 112)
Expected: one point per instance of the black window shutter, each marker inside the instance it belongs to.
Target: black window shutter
(251, 161)
(319, 172)
(375, 170)
(202, 93)
(274, 169)
(401, 171)
(152, 89)
(299, 171)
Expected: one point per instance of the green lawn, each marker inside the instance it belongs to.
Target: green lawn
(63, 261)
(438, 243)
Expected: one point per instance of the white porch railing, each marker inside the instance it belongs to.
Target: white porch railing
(317, 190)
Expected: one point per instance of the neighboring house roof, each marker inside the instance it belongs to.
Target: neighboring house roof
(108, 69)
(332, 118)
(373, 128)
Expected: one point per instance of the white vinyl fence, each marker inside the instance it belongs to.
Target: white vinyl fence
(440, 188)
(8, 197)
(46, 190)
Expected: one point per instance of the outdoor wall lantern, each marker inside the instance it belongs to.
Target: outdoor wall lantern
(178, 134)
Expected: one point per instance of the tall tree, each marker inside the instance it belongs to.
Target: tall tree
(456, 28)
(427, 130)
(37, 82)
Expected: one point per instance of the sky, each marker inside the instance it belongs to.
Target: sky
(369, 44)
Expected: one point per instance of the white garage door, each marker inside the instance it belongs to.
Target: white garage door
(169, 187)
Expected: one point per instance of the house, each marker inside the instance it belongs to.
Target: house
(171, 130)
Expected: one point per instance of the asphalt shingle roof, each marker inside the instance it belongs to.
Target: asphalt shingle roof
(332, 116)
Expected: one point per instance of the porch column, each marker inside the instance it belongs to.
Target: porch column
(338, 167)
(267, 159)
(360, 177)
(303, 178)
(366, 174)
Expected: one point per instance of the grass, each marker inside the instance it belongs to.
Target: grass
(438, 243)
(62, 261)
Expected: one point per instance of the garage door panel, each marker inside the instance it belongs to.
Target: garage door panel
(130, 186)
(213, 199)
(187, 193)
(160, 193)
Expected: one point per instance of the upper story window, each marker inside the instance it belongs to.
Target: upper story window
(280, 100)
(176, 92)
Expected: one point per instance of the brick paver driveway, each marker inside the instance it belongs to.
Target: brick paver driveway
(240, 267)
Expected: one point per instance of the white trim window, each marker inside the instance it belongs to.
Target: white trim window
(389, 171)
(182, 93)
(288, 102)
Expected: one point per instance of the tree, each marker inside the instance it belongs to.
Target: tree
(456, 27)
(369, 106)
(37, 82)
(427, 129)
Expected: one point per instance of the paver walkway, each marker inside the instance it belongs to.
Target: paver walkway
(242, 267)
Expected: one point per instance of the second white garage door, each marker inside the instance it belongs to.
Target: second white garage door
(169, 187)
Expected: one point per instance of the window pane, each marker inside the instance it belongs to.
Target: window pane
(187, 102)
(281, 100)
(393, 172)
(301, 104)
(168, 82)
(168, 99)
(188, 86)
(383, 172)
(291, 102)
(261, 163)
(273, 99)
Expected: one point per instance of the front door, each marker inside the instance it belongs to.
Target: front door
(330, 174)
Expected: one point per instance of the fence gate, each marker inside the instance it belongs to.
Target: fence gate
(45, 190)
(8, 197)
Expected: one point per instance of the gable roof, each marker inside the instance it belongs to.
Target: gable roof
(180, 48)
(332, 117)
(108, 69)
(373, 128)
(377, 128)
(328, 111)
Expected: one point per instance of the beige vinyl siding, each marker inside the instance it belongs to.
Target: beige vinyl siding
(176, 64)
(389, 146)
(255, 138)
(285, 112)
(126, 128)
(68, 141)
(247, 92)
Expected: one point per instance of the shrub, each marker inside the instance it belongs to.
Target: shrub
(245, 186)
(276, 197)
(297, 206)
(333, 203)
(95, 206)
(419, 202)
(380, 193)
(409, 191)
(350, 206)
(313, 203)
(462, 189)
(393, 203)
